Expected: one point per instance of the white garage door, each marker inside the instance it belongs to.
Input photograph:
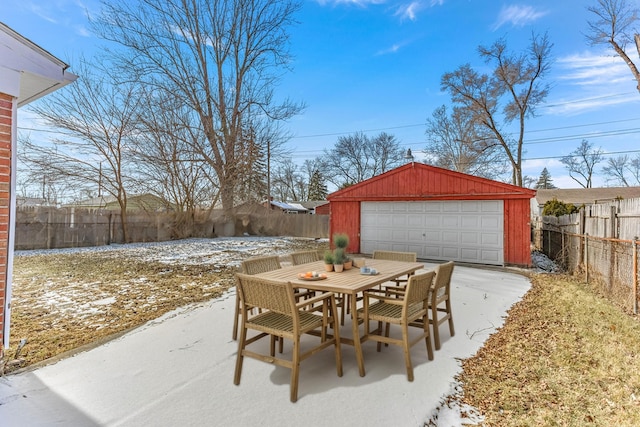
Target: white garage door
(466, 231)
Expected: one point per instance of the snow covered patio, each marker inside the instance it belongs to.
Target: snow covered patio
(178, 370)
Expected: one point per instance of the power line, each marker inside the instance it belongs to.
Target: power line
(604, 154)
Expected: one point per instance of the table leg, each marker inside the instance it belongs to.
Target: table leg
(356, 334)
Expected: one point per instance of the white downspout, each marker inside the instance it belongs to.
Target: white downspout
(11, 224)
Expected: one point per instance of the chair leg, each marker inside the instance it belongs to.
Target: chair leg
(436, 326)
(379, 330)
(451, 329)
(427, 338)
(336, 338)
(407, 351)
(235, 317)
(240, 356)
(295, 368)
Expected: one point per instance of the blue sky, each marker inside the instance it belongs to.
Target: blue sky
(376, 65)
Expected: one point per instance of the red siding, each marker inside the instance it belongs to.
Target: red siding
(323, 209)
(517, 232)
(6, 120)
(348, 222)
(420, 182)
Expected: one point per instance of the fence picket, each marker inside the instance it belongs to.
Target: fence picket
(605, 248)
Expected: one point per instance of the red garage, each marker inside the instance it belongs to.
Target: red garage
(437, 213)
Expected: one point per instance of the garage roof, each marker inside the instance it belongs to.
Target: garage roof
(418, 181)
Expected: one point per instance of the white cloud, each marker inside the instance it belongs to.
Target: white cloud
(604, 80)
(409, 11)
(589, 69)
(517, 16)
(535, 166)
(393, 48)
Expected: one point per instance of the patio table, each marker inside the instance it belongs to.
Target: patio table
(349, 282)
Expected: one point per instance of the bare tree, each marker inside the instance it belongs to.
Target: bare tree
(167, 166)
(96, 123)
(457, 143)
(582, 162)
(222, 58)
(510, 92)
(616, 24)
(288, 181)
(357, 157)
(623, 170)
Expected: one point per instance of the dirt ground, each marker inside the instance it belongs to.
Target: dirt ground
(65, 299)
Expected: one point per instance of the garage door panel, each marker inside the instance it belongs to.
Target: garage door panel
(432, 221)
(468, 254)
(449, 237)
(495, 206)
(470, 222)
(470, 206)
(491, 222)
(492, 255)
(449, 252)
(450, 221)
(469, 238)
(432, 252)
(432, 237)
(490, 239)
(469, 231)
(415, 220)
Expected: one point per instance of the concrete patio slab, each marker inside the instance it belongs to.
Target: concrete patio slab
(178, 370)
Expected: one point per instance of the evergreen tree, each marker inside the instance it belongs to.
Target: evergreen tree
(544, 182)
(317, 186)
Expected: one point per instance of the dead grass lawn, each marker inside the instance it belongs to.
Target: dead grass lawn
(64, 301)
(565, 357)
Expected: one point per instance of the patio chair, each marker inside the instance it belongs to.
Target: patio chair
(304, 257)
(254, 265)
(282, 317)
(440, 301)
(397, 256)
(401, 311)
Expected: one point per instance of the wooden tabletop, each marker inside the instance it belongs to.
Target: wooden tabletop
(346, 282)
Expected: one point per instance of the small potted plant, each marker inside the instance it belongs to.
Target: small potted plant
(341, 240)
(338, 260)
(348, 262)
(328, 261)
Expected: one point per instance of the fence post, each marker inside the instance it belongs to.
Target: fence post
(612, 224)
(635, 275)
(564, 254)
(581, 229)
(586, 257)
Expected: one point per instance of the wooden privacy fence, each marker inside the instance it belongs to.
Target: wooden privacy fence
(600, 242)
(50, 227)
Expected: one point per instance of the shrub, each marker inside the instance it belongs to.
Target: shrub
(555, 207)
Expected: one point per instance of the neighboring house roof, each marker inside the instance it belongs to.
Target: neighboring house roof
(147, 202)
(312, 204)
(580, 196)
(23, 202)
(289, 207)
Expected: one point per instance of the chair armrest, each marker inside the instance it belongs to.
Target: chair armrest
(397, 292)
(317, 298)
(381, 297)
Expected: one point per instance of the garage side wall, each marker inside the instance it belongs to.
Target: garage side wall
(345, 218)
(517, 232)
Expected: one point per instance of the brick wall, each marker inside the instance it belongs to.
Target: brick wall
(6, 120)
